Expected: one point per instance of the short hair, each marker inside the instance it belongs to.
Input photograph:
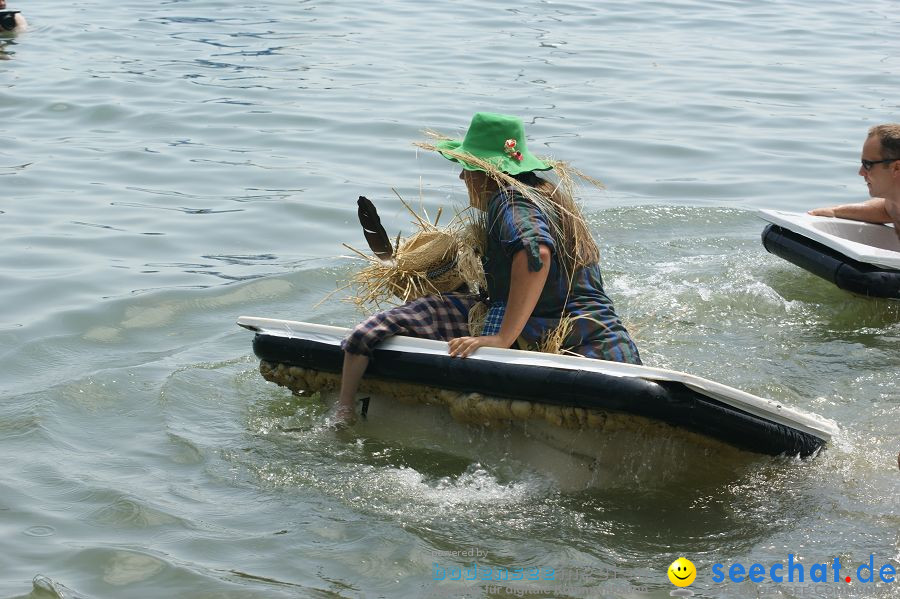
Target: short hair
(889, 136)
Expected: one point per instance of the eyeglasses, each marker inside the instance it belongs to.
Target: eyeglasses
(868, 164)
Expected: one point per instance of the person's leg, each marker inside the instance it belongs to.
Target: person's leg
(351, 374)
(429, 317)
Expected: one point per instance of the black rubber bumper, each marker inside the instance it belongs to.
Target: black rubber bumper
(669, 402)
(846, 273)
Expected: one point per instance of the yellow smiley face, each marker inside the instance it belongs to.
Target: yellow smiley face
(682, 572)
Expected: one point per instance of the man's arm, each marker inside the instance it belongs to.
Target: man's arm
(870, 211)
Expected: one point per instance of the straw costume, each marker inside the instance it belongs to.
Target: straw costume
(525, 215)
(573, 314)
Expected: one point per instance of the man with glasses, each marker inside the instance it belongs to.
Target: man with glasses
(881, 170)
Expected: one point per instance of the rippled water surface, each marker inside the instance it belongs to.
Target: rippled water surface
(167, 168)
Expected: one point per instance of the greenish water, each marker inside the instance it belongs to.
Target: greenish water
(169, 168)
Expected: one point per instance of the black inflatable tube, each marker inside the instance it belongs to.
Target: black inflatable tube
(846, 273)
(670, 402)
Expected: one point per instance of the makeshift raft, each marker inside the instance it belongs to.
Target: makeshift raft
(568, 392)
(863, 258)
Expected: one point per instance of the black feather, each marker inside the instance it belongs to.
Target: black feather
(376, 236)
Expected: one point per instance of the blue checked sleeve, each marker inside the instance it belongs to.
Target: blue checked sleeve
(521, 225)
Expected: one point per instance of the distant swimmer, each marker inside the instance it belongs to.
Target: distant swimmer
(11, 21)
(881, 169)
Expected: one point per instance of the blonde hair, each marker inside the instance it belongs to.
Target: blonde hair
(571, 231)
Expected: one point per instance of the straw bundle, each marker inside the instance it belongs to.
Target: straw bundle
(433, 260)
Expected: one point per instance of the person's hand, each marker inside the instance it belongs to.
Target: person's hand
(822, 212)
(462, 347)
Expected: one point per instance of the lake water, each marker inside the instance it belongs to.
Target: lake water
(167, 168)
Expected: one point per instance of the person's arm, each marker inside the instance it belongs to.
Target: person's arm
(525, 288)
(870, 211)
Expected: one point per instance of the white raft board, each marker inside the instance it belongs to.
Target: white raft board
(864, 242)
(767, 409)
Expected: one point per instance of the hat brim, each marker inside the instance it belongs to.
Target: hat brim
(500, 161)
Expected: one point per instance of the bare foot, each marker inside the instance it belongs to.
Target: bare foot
(343, 416)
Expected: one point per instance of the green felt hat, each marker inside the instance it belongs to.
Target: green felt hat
(495, 139)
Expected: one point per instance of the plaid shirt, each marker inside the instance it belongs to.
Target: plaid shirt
(516, 224)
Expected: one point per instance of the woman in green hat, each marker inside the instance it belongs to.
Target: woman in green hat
(540, 262)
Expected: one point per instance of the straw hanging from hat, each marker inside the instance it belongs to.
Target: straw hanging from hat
(433, 260)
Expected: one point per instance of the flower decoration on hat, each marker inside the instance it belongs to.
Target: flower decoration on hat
(510, 148)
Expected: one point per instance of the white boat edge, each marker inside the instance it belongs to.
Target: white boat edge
(813, 424)
(803, 224)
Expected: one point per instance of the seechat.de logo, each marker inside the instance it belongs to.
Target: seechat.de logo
(682, 573)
